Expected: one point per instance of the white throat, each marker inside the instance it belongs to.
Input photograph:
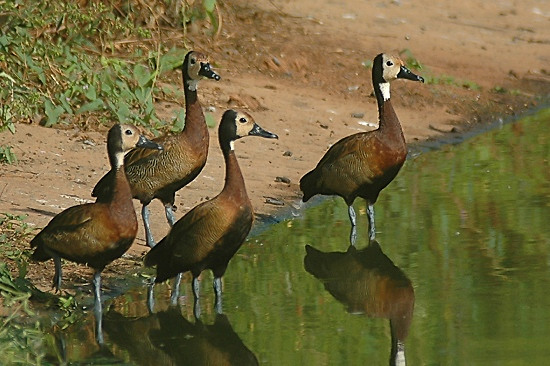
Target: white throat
(385, 90)
(192, 85)
(232, 145)
(119, 159)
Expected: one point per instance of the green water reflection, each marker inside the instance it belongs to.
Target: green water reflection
(468, 225)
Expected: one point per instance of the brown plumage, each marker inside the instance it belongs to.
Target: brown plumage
(362, 164)
(210, 234)
(160, 174)
(368, 282)
(96, 233)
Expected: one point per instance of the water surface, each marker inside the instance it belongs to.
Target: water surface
(467, 225)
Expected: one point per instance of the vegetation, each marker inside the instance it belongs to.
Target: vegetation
(430, 78)
(16, 337)
(61, 62)
(6, 122)
(14, 230)
(7, 155)
(79, 63)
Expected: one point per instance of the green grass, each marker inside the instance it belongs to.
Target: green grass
(77, 65)
(20, 338)
(7, 156)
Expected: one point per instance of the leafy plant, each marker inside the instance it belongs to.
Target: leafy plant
(7, 156)
(74, 64)
(6, 115)
(14, 230)
(207, 9)
(410, 60)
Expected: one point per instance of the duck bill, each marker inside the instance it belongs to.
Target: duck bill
(258, 131)
(145, 143)
(405, 73)
(207, 71)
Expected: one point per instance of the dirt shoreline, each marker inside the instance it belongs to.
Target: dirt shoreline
(308, 85)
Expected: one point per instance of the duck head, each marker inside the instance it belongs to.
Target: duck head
(238, 124)
(197, 66)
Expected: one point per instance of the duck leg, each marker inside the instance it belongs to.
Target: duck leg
(151, 295)
(98, 307)
(370, 214)
(353, 219)
(58, 273)
(148, 234)
(169, 211)
(196, 304)
(218, 291)
(175, 290)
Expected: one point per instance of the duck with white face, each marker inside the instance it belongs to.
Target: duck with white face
(363, 164)
(96, 233)
(159, 175)
(209, 235)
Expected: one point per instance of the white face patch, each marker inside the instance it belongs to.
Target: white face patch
(192, 85)
(385, 89)
(391, 66)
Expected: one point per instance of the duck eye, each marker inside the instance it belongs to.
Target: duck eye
(193, 61)
(128, 132)
(389, 63)
(242, 120)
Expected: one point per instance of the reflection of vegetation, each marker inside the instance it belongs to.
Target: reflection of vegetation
(68, 63)
(22, 338)
(468, 225)
(19, 343)
(474, 222)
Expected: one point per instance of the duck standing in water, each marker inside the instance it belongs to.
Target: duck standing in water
(210, 234)
(96, 233)
(362, 164)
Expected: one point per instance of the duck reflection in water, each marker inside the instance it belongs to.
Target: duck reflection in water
(367, 282)
(167, 338)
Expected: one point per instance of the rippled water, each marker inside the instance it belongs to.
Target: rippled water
(467, 227)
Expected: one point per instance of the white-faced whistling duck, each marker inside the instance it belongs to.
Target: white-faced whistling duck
(368, 282)
(362, 164)
(160, 174)
(96, 233)
(208, 236)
